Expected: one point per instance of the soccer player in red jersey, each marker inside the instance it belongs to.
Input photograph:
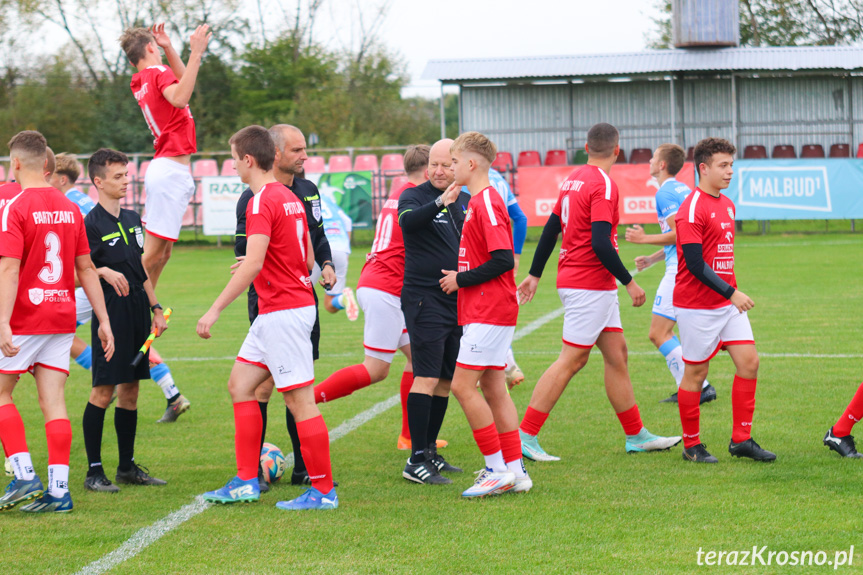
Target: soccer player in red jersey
(42, 241)
(838, 438)
(487, 310)
(278, 259)
(163, 93)
(710, 310)
(587, 214)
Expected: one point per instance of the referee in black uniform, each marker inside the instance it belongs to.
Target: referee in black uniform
(290, 156)
(431, 216)
(116, 240)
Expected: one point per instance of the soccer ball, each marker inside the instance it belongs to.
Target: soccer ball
(9, 471)
(272, 462)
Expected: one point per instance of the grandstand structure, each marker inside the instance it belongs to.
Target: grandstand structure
(776, 102)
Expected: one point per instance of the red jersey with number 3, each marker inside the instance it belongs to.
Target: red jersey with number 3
(709, 221)
(284, 281)
(486, 229)
(44, 230)
(588, 195)
(385, 264)
(173, 128)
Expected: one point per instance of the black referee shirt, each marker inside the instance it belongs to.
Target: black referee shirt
(431, 234)
(117, 243)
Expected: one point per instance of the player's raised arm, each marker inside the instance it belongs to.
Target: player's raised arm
(180, 93)
(164, 42)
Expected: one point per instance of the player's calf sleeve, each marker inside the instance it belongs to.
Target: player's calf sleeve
(673, 354)
(342, 383)
(488, 441)
(59, 435)
(93, 424)
(161, 374)
(247, 437)
(338, 302)
(126, 426)
(510, 446)
(852, 415)
(315, 445)
(262, 405)
(405, 390)
(419, 410)
(742, 408)
(690, 414)
(533, 421)
(85, 360)
(291, 424)
(15, 442)
(630, 420)
(436, 416)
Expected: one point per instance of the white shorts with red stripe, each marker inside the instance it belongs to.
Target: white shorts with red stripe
(83, 309)
(588, 313)
(170, 187)
(280, 342)
(48, 350)
(484, 346)
(384, 332)
(703, 332)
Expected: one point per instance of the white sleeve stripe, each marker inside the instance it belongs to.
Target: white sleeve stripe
(692, 207)
(607, 184)
(256, 202)
(6, 211)
(488, 208)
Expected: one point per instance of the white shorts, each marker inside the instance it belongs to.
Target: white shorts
(384, 330)
(170, 187)
(587, 313)
(340, 260)
(49, 350)
(703, 332)
(663, 305)
(484, 346)
(280, 342)
(83, 309)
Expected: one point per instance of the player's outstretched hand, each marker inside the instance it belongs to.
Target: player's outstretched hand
(106, 336)
(642, 263)
(159, 34)
(206, 322)
(200, 38)
(527, 289)
(448, 282)
(328, 277)
(6, 345)
(116, 280)
(636, 293)
(451, 194)
(741, 301)
(159, 322)
(635, 234)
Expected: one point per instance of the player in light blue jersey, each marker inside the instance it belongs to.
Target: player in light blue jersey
(665, 164)
(337, 226)
(66, 173)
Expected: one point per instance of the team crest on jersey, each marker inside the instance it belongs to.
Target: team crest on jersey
(468, 215)
(730, 213)
(37, 295)
(139, 237)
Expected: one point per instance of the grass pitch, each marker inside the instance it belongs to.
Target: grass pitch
(598, 510)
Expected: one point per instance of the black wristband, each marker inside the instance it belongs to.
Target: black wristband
(153, 308)
(329, 263)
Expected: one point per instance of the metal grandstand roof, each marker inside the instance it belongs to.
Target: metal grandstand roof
(781, 59)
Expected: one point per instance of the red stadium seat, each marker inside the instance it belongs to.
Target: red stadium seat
(860, 151)
(754, 153)
(840, 151)
(784, 152)
(621, 158)
(393, 163)
(398, 182)
(132, 171)
(555, 158)
(366, 163)
(640, 156)
(203, 168)
(812, 151)
(339, 164)
(529, 159)
(228, 168)
(503, 162)
(315, 165)
(690, 154)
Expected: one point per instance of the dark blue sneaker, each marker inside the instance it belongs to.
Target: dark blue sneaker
(20, 490)
(50, 504)
(312, 499)
(235, 491)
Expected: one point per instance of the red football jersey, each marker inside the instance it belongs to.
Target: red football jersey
(7, 192)
(703, 219)
(385, 264)
(44, 230)
(588, 195)
(284, 281)
(173, 128)
(486, 229)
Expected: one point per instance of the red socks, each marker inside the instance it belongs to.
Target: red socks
(405, 389)
(315, 445)
(488, 440)
(533, 421)
(12, 430)
(59, 435)
(742, 408)
(631, 420)
(247, 438)
(342, 383)
(690, 413)
(852, 415)
(510, 445)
